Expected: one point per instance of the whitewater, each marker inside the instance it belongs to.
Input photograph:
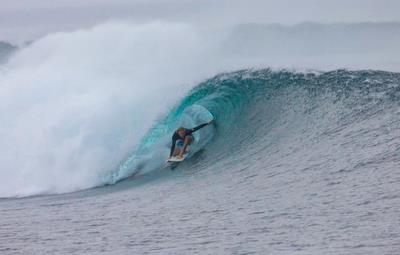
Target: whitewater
(303, 157)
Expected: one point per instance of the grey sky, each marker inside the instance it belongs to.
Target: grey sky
(23, 20)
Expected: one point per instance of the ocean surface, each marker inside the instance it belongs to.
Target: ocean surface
(297, 162)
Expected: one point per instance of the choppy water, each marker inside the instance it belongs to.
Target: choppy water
(298, 163)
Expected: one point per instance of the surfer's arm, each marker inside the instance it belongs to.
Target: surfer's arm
(199, 127)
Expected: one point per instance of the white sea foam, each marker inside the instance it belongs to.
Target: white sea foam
(75, 104)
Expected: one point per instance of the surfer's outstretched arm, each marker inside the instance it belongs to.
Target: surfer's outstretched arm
(201, 126)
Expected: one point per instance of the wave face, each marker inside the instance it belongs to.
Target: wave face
(333, 121)
(97, 106)
(283, 121)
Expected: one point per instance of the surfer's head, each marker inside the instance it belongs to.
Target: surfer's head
(181, 131)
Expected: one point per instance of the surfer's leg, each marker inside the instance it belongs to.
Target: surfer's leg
(177, 151)
(178, 148)
(188, 141)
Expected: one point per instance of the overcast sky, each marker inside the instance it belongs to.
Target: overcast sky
(22, 20)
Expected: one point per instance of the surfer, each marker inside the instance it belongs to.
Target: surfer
(182, 138)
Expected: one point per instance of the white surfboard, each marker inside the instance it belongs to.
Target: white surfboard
(176, 159)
